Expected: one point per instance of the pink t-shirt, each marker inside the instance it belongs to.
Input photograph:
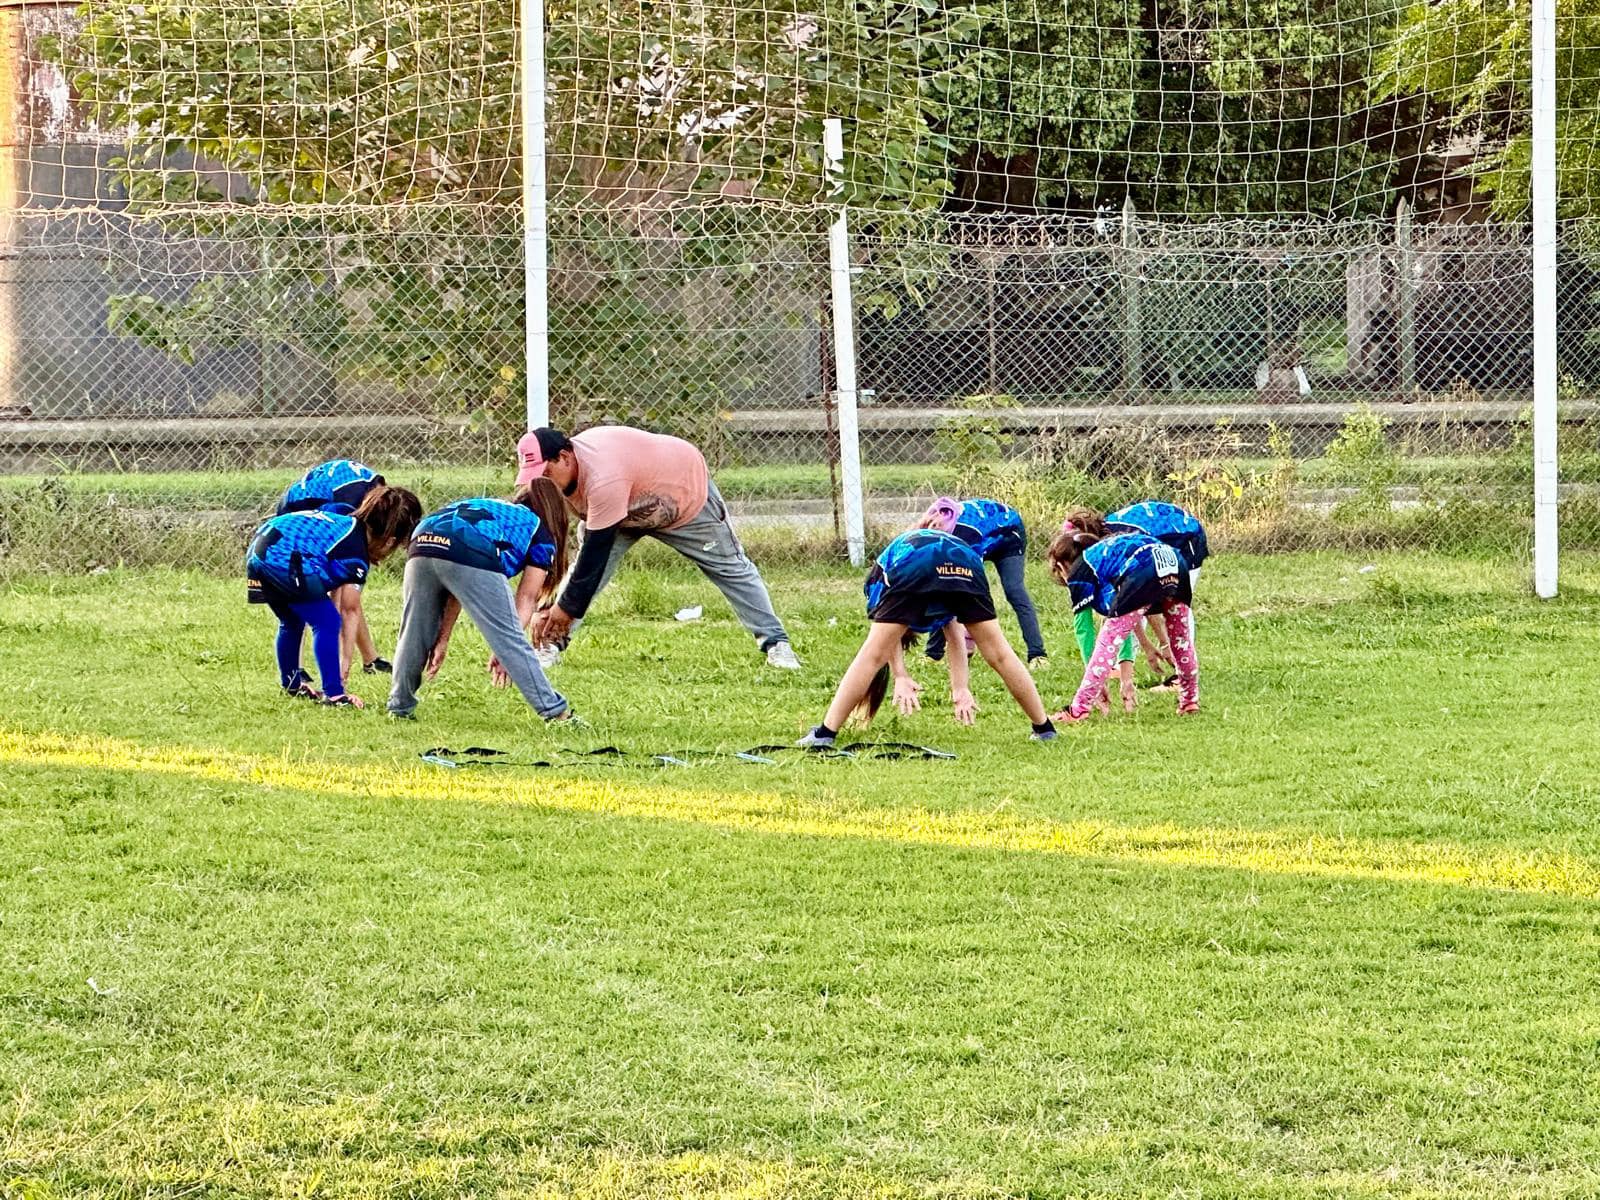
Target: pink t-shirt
(636, 479)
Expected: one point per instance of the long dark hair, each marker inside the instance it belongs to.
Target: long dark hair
(879, 687)
(544, 499)
(388, 514)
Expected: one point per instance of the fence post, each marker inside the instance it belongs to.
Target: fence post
(10, 149)
(535, 219)
(1406, 297)
(994, 333)
(844, 347)
(1546, 479)
(1132, 345)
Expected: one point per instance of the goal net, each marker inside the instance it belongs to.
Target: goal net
(1271, 260)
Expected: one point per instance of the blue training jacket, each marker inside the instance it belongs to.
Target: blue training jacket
(299, 556)
(925, 560)
(338, 486)
(1177, 527)
(492, 535)
(1119, 564)
(990, 527)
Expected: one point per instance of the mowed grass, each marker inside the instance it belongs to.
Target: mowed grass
(1337, 936)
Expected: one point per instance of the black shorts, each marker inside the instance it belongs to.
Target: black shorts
(1141, 590)
(927, 611)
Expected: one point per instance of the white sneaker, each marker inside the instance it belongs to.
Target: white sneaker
(548, 656)
(1039, 663)
(782, 655)
(815, 741)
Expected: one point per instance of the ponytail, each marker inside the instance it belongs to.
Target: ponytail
(873, 700)
(544, 500)
(879, 687)
(1085, 520)
(388, 514)
(1067, 547)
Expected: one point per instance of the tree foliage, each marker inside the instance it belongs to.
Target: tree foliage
(367, 156)
(1474, 59)
(1192, 107)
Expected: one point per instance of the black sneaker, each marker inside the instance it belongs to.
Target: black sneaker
(379, 665)
(301, 687)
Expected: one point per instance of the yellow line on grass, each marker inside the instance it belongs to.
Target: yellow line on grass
(1268, 851)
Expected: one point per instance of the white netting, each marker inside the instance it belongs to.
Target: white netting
(1230, 234)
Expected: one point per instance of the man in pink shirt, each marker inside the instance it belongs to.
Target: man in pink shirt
(626, 484)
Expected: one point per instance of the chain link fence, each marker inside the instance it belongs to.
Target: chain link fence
(1352, 385)
(163, 374)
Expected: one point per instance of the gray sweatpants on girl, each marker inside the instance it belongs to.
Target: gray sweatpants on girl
(487, 600)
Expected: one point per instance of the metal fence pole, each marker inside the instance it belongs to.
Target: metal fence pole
(1546, 480)
(1406, 297)
(1132, 334)
(11, 63)
(535, 218)
(844, 349)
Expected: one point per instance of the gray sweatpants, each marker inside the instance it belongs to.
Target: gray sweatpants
(487, 600)
(709, 542)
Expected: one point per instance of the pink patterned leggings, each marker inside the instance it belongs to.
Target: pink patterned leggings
(1102, 663)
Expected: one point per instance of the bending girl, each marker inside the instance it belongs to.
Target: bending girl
(461, 557)
(1178, 528)
(925, 580)
(339, 486)
(309, 567)
(996, 532)
(1122, 577)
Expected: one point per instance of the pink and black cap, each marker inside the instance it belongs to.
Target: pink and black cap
(535, 449)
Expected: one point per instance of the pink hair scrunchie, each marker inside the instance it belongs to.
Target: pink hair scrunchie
(946, 511)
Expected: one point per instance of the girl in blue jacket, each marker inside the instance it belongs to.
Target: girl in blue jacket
(1123, 576)
(996, 532)
(339, 486)
(924, 580)
(309, 567)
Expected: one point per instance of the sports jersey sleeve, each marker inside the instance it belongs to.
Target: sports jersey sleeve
(347, 560)
(541, 549)
(350, 494)
(970, 534)
(1081, 586)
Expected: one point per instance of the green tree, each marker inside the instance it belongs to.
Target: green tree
(1474, 59)
(361, 164)
(1195, 107)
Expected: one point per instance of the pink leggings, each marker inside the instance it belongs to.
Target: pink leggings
(1102, 663)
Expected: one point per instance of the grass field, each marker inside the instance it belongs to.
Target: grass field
(1337, 936)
